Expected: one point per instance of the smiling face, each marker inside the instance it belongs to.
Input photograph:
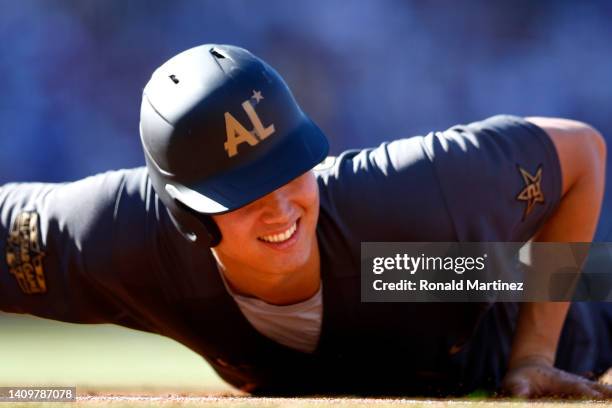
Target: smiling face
(275, 234)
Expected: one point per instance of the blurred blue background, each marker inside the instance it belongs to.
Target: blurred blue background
(366, 71)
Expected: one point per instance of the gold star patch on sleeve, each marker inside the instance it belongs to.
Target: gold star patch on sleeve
(532, 192)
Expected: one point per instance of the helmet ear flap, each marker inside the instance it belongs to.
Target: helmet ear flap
(212, 231)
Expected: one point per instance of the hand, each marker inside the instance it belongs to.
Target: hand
(536, 378)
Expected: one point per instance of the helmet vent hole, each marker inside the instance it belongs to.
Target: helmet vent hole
(174, 79)
(216, 53)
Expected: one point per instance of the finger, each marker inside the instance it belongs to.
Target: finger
(517, 388)
(605, 389)
(585, 390)
(597, 390)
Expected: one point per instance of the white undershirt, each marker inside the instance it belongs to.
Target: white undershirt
(297, 326)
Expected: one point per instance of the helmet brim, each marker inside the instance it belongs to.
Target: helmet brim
(306, 147)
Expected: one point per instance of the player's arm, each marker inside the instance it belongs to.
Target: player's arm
(545, 177)
(582, 156)
(61, 247)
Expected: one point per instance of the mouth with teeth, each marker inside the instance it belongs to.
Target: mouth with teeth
(283, 238)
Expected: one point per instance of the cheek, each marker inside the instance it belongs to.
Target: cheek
(234, 233)
(312, 199)
(308, 193)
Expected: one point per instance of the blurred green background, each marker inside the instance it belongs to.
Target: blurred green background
(36, 351)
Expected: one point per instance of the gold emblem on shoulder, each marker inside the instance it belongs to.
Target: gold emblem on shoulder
(532, 192)
(24, 255)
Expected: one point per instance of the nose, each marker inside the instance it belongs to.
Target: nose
(276, 208)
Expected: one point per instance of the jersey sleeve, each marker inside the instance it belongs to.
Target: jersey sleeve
(494, 180)
(387, 193)
(500, 178)
(61, 244)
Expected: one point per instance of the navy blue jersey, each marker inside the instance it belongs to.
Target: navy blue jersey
(104, 250)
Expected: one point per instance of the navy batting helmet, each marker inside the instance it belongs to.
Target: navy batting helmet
(220, 129)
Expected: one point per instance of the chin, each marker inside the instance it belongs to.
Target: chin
(289, 262)
(292, 263)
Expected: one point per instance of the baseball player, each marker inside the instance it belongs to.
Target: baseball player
(229, 242)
